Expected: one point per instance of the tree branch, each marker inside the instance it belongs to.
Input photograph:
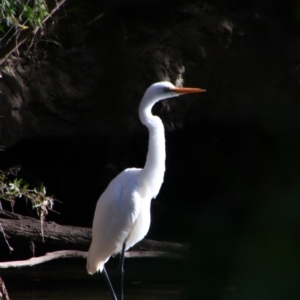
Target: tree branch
(42, 259)
(81, 254)
(3, 291)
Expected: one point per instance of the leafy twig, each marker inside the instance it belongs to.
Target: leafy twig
(14, 15)
(10, 190)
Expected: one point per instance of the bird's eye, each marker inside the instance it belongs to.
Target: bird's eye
(166, 90)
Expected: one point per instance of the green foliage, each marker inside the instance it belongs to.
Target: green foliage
(20, 14)
(16, 188)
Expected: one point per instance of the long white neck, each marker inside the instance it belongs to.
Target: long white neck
(153, 173)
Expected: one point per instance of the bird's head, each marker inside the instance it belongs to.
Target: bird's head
(163, 90)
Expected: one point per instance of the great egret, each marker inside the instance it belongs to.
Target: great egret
(122, 215)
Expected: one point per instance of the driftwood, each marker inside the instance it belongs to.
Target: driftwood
(18, 228)
(81, 254)
(42, 259)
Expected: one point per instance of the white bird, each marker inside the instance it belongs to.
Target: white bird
(122, 215)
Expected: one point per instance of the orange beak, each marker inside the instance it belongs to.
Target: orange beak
(186, 90)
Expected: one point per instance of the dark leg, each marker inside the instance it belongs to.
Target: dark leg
(121, 271)
(109, 284)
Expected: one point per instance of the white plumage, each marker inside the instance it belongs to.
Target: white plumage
(123, 210)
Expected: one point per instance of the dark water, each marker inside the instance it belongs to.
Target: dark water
(67, 279)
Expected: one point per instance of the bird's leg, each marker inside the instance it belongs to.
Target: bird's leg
(121, 271)
(109, 284)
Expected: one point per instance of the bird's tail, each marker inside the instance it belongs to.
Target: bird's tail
(93, 263)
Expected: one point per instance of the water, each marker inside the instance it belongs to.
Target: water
(67, 279)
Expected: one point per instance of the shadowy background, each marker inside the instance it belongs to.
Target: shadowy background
(231, 187)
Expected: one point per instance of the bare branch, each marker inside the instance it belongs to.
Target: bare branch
(5, 238)
(82, 254)
(42, 259)
(157, 254)
(3, 290)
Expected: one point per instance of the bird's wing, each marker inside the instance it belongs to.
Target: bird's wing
(125, 208)
(116, 213)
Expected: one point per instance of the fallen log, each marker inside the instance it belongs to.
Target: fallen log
(20, 228)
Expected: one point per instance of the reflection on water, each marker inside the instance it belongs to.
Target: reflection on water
(67, 279)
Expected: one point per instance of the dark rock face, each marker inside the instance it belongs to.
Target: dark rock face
(246, 55)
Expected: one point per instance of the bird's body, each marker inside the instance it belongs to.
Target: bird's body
(126, 217)
(122, 215)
